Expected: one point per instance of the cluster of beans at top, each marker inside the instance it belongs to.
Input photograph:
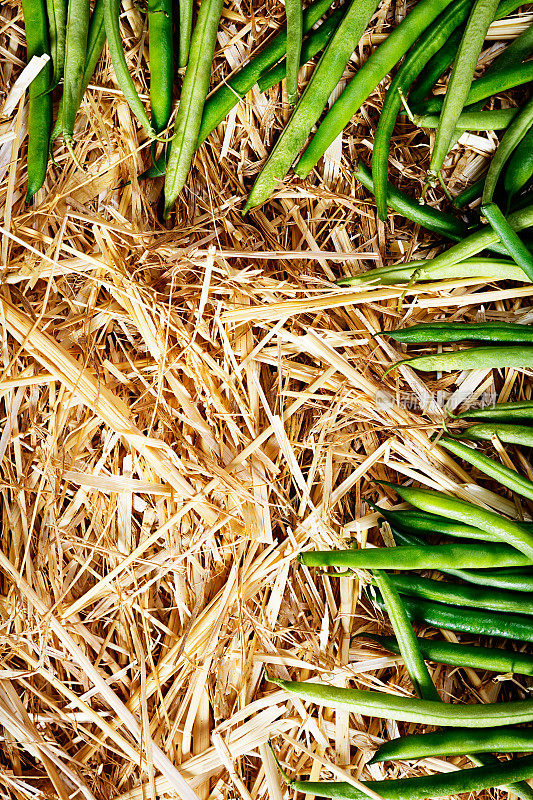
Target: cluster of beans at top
(489, 555)
(432, 36)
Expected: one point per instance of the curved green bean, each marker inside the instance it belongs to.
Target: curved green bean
(509, 434)
(519, 169)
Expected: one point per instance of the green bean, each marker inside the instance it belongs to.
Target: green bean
(494, 659)
(519, 169)
(504, 739)
(57, 22)
(410, 709)
(499, 578)
(489, 84)
(507, 7)
(507, 530)
(468, 620)
(294, 13)
(456, 594)
(448, 556)
(484, 268)
(228, 94)
(460, 79)
(95, 44)
(75, 53)
(473, 358)
(513, 135)
(462, 332)
(438, 785)
(408, 643)
(370, 74)
(495, 120)
(515, 52)
(193, 94)
(40, 99)
(118, 59)
(424, 48)
(436, 67)
(424, 215)
(311, 45)
(501, 412)
(520, 254)
(185, 29)
(411, 519)
(509, 434)
(160, 40)
(469, 194)
(504, 475)
(327, 74)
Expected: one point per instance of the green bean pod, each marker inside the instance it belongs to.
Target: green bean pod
(472, 358)
(438, 785)
(467, 620)
(519, 169)
(462, 332)
(500, 578)
(489, 84)
(311, 45)
(413, 520)
(456, 594)
(325, 77)
(408, 557)
(95, 44)
(499, 472)
(294, 13)
(460, 79)
(57, 23)
(493, 659)
(471, 193)
(495, 120)
(185, 30)
(40, 99)
(512, 137)
(410, 709)
(75, 53)
(424, 215)
(435, 67)
(505, 739)
(509, 434)
(124, 79)
(160, 41)
(193, 94)
(484, 268)
(507, 530)
(516, 248)
(428, 44)
(521, 410)
(377, 66)
(228, 94)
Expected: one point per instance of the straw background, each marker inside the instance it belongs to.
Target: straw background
(183, 408)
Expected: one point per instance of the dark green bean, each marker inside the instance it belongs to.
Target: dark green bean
(456, 594)
(326, 76)
(512, 137)
(193, 93)
(451, 507)
(223, 99)
(410, 709)
(424, 215)
(75, 54)
(494, 659)
(436, 67)
(294, 14)
(468, 620)
(520, 254)
(462, 332)
(160, 40)
(57, 23)
(40, 99)
(521, 410)
(456, 743)
(413, 520)
(185, 29)
(424, 48)
(438, 556)
(468, 195)
(509, 434)
(519, 169)
(472, 358)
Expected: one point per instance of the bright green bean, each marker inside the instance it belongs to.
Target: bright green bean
(504, 739)
(521, 410)
(192, 99)
(75, 54)
(509, 434)
(519, 169)
(57, 22)
(436, 67)
(327, 74)
(410, 709)
(473, 358)
(495, 120)
(294, 13)
(408, 557)
(460, 79)
(411, 519)
(512, 137)
(520, 254)
(483, 268)
(507, 530)
(124, 79)
(185, 29)
(462, 332)
(160, 41)
(494, 659)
